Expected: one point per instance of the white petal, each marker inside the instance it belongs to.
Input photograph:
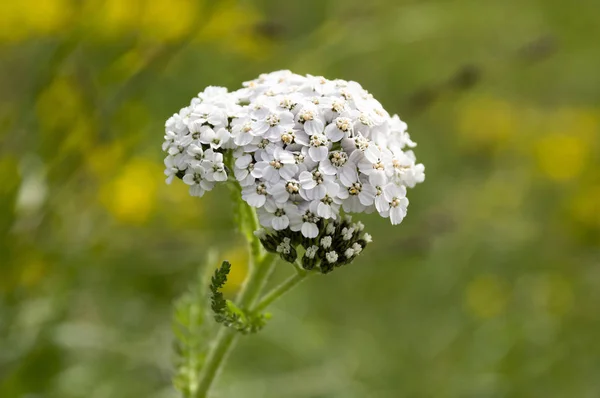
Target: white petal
(333, 133)
(327, 168)
(348, 175)
(189, 179)
(324, 210)
(318, 153)
(310, 230)
(367, 195)
(220, 176)
(377, 178)
(318, 192)
(259, 128)
(284, 156)
(392, 191)
(279, 193)
(288, 171)
(306, 180)
(256, 200)
(280, 223)
(314, 126)
(196, 190)
(381, 204)
(372, 153)
(396, 215)
(271, 175)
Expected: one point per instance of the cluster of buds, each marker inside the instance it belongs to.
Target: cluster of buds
(338, 243)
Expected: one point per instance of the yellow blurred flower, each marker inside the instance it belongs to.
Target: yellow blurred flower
(561, 157)
(154, 20)
(131, 196)
(487, 296)
(567, 139)
(20, 20)
(233, 26)
(168, 19)
(485, 122)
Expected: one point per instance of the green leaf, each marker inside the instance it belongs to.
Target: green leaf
(226, 312)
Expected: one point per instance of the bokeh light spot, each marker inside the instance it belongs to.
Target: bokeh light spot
(487, 296)
(561, 157)
(131, 196)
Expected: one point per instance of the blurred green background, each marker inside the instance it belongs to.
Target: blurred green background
(489, 288)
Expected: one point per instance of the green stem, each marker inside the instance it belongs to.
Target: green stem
(226, 337)
(280, 290)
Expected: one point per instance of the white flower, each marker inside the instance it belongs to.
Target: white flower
(198, 185)
(214, 166)
(379, 170)
(243, 170)
(344, 166)
(287, 137)
(381, 204)
(302, 148)
(308, 222)
(311, 118)
(272, 123)
(367, 147)
(414, 175)
(275, 165)
(396, 196)
(278, 215)
(170, 169)
(318, 148)
(255, 195)
(241, 130)
(341, 127)
(318, 85)
(329, 205)
(214, 139)
(333, 107)
(286, 190)
(304, 161)
(358, 195)
(315, 184)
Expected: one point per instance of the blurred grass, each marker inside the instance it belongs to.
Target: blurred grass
(488, 289)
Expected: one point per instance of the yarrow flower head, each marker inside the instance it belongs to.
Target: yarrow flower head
(305, 150)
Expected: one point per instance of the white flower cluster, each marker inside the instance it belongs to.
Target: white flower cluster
(301, 147)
